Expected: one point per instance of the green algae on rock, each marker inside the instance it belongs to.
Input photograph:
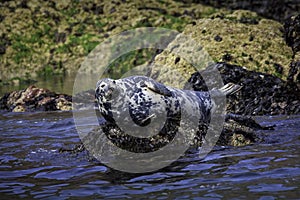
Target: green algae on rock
(240, 38)
(53, 37)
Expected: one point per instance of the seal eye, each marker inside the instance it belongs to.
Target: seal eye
(143, 84)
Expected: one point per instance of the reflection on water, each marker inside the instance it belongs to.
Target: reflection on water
(57, 83)
(32, 167)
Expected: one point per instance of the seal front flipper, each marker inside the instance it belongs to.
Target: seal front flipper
(156, 87)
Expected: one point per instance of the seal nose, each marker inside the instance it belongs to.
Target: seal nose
(105, 88)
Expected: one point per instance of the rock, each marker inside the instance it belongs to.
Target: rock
(43, 32)
(274, 9)
(292, 38)
(294, 75)
(262, 94)
(63, 104)
(238, 131)
(35, 99)
(292, 32)
(256, 46)
(19, 108)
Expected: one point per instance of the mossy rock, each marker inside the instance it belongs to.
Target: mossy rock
(241, 38)
(36, 35)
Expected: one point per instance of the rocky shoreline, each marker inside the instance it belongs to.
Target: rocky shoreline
(274, 9)
(46, 38)
(273, 97)
(259, 54)
(261, 94)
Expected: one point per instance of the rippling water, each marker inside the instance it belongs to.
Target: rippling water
(32, 167)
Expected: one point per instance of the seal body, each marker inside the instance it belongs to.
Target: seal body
(137, 106)
(143, 99)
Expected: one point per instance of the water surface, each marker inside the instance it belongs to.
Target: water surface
(33, 167)
(57, 83)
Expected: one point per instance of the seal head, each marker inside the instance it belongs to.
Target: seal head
(142, 97)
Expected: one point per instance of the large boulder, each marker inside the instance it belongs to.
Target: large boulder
(292, 38)
(240, 38)
(274, 9)
(261, 94)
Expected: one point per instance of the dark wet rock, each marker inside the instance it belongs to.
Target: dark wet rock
(76, 149)
(274, 9)
(262, 94)
(241, 130)
(238, 131)
(294, 75)
(292, 33)
(292, 38)
(39, 99)
(35, 99)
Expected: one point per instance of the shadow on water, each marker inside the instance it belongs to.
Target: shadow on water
(33, 167)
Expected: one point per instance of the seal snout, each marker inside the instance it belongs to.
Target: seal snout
(105, 89)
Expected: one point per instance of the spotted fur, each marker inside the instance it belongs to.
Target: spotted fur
(138, 95)
(144, 101)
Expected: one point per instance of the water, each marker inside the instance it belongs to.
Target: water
(56, 83)
(32, 166)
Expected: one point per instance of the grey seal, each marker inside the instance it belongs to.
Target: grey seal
(146, 102)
